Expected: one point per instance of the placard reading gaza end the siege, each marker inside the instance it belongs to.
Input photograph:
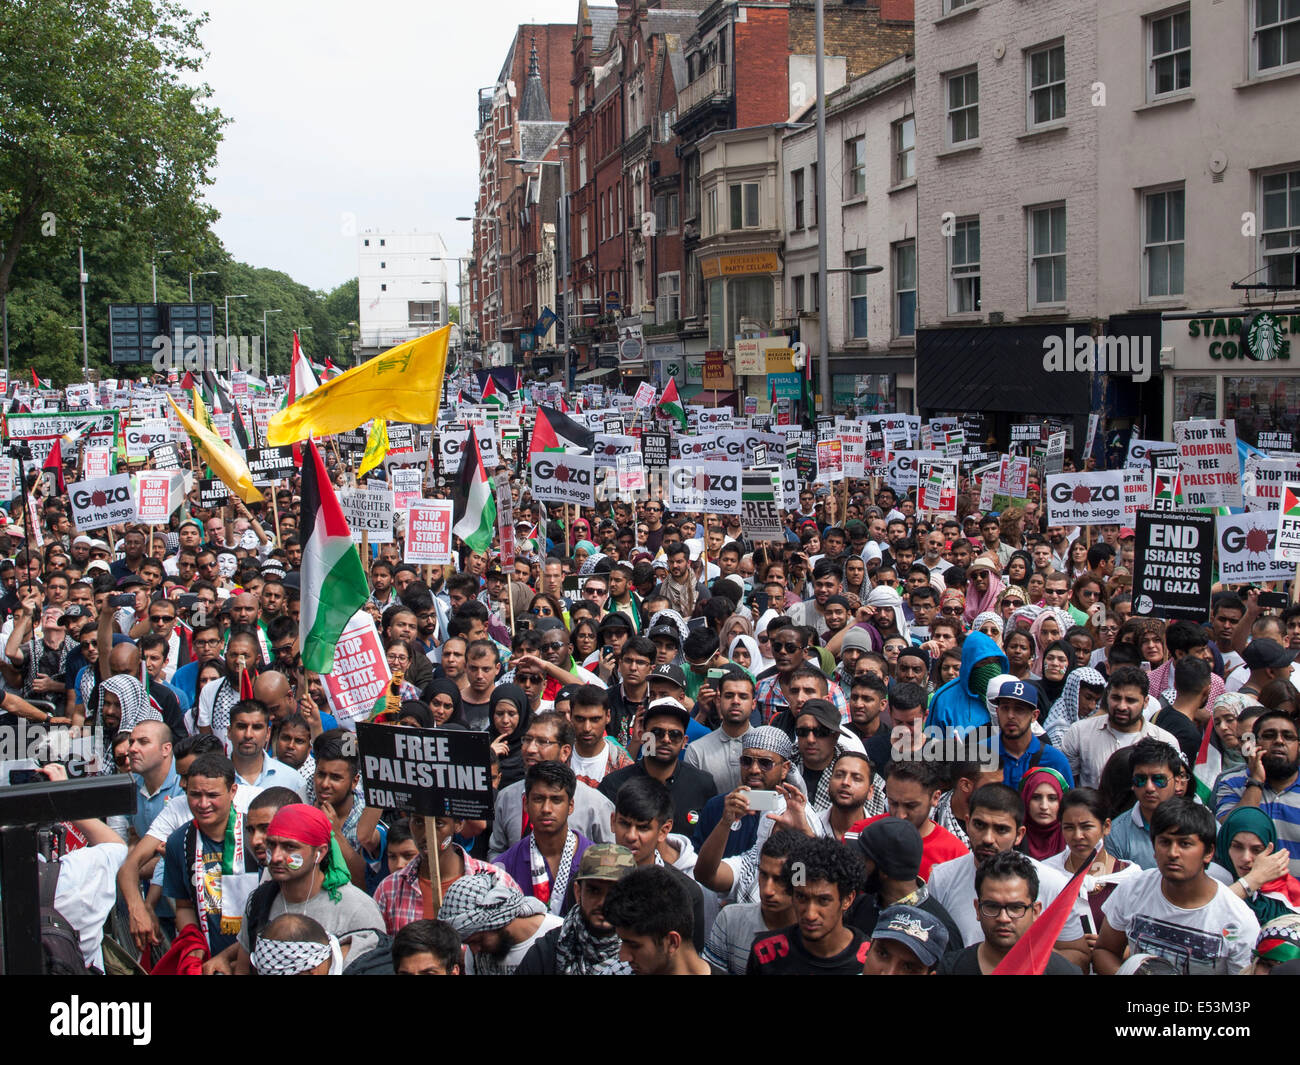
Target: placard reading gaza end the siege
(1085, 498)
(433, 772)
(1247, 548)
(1172, 558)
(564, 478)
(713, 487)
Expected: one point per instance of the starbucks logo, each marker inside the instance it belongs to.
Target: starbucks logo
(1265, 340)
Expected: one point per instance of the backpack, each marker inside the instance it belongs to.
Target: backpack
(60, 943)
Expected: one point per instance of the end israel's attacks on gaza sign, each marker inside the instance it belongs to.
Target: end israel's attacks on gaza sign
(561, 477)
(431, 772)
(1085, 498)
(1172, 565)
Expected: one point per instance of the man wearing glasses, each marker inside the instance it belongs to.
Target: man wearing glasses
(1155, 768)
(662, 742)
(1270, 781)
(654, 521)
(162, 622)
(1007, 904)
(206, 643)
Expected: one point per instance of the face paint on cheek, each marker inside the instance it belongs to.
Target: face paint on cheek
(294, 862)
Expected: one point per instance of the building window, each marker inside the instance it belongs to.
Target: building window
(963, 107)
(749, 298)
(964, 267)
(905, 289)
(1279, 236)
(1169, 54)
(1046, 69)
(904, 140)
(797, 290)
(1277, 34)
(666, 122)
(815, 213)
(953, 5)
(1162, 250)
(744, 205)
(691, 185)
(381, 242)
(1047, 256)
(717, 325)
(1261, 403)
(383, 265)
(668, 304)
(711, 211)
(383, 288)
(367, 242)
(666, 215)
(583, 236)
(857, 297)
(796, 191)
(419, 312)
(855, 167)
(582, 165)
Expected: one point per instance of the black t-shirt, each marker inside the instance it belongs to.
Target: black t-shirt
(1183, 729)
(690, 788)
(967, 963)
(783, 954)
(476, 715)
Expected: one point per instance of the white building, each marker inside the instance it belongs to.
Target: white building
(870, 220)
(402, 281)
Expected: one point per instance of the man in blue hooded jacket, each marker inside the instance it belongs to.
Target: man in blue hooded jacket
(960, 704)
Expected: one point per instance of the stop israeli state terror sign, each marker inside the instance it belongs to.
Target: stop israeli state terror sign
(1172, 565)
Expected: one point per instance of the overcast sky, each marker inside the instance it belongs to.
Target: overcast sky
(348, 111)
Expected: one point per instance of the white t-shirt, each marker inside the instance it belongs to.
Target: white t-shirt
(177, 812)
(515, 956)
(952, 884)
(1216, 938)
(592, 768)
(86, 892)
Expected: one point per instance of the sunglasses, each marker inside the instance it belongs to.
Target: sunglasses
(160, 619)
(667, 735)
(821, 732)
(951, 611)
(783, 647)
(528, 678)
(1159, 780)
(748, 761)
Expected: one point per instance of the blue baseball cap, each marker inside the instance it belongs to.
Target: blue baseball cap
(1020, 690)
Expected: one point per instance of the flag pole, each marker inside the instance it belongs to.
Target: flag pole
(435, 873)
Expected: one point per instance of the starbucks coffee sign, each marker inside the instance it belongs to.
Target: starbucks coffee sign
(1261, 337)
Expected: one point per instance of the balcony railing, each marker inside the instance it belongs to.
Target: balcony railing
(712, 84)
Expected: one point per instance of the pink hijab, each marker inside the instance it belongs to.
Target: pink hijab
(978, 604)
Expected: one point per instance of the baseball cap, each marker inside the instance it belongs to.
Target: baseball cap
(1019, 690)
(855, 529)
(1267, 654)
(129, 581)
(918, 930)
(671, 707)
(605, 861)
(669, 672)
(75, 612)
(894, 846)
(824, 712)
(1128, 533)
(668, 632)
(97, 566)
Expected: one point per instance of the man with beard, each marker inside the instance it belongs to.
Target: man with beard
(790, 651)
(764, 765)
(913, 791)
(853, 799)
(496, 922)
(718, 753)
(1269, 781)
(737, 925)
(819, 943)
(1089, 743)
(680, 586)
(250, 731)
(585, 945)
(651, 915)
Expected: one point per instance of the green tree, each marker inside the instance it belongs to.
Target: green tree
(99, 130)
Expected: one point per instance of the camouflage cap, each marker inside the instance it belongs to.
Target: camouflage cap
(605, 861)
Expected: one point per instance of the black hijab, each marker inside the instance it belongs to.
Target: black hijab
(512, 765)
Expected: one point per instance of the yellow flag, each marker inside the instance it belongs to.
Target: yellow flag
(403, 385)
(223, 460)
(376, 448)
(201, 414)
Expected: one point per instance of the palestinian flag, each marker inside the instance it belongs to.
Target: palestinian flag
(1290, 504)
(491, 394)
(38, 383)
(301, 382)
(55, 462)
(1209, 764)
(671, 404)
(475, 513)
(216, 394)
(554, 431)
(334, 585)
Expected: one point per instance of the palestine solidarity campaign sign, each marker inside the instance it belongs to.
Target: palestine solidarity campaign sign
(1172, 572)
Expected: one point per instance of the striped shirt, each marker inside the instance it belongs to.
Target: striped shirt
(1282, 806)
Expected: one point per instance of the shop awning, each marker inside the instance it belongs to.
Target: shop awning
(588, 375)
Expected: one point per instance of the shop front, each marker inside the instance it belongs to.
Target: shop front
(1238, 364)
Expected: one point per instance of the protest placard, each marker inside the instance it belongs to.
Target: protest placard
(428, 532)
(369, 511)
(360, 675)
(104, 501)
(1207, 457)
(1172, 573)
(713, 487)
(407, 484)
(158, 494)
(564, 478)
(1248, 548)
(270, 464)
(761, 505)
(213, 493)
(431, 772)
(1085, 498)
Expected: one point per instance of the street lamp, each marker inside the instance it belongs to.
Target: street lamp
(166, 251)
(266, 340)
(201, 273)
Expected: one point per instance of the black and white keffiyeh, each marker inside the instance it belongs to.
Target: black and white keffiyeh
(276, 957)
(553, 895)
(580, 953)
(480, 903)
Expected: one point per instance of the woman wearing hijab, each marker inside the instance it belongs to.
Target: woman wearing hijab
(1069, 707)
(733, 626)
(1018, 568)
(1247, 848)
(988, 622)
(583, 550)
(442, 695)
(984, 586)
(744, 651)
(508, 720)
(580, 531)
(1042, 790)
(1054, 668)
(1049, 626)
